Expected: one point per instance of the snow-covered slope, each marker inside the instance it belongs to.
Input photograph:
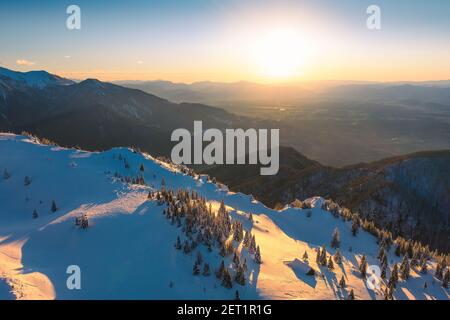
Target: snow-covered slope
(128, 251)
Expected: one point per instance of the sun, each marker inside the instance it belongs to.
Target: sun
(280, 54)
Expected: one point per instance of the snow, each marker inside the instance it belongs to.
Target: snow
(128, 250)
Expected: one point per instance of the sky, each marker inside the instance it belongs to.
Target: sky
(229, 40)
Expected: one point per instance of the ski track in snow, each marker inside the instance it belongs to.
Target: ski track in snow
(127, 251)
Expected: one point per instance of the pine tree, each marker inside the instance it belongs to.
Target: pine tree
(236, 260)
(142, 168)
(35, 214)
(439, 272)
(240, 276)
(6, 174)
(195, 269)
(226, 279)
(381, 253)
(236, 296)
(246, 241)
(405, 268)
(394, 277)
(258, 256)
(355, 228)
(206, 270)
(199, 259)
(186, 247)
(383, 272)
(323, 256)
(305, 256)
(53, 208)
(423, 265)
(342, 282)
(363, 266)
(252, 247)
(336, 239)
(338, 257)
(250, 217)
(178, 244)
(398, 250)
(27, 181)
(84, 221)
(221, 270)
(446, 278)
(351, 295)
(330, 264)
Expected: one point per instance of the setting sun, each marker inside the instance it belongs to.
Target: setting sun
(280, 54)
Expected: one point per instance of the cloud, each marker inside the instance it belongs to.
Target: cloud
(23, 62)
(67, 57)
(139, 62)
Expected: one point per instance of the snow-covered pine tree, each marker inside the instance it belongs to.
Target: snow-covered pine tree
(381, 253)
(84, 221)
(330, 263)
(351, 295)
(246, 241)
(323, 256)
(220, 271)
(439, 273)
(394, 277)
(258, 256)
(199, 259)
(355, 227)
(338, 257)
(363, 266)
(6, 174)
(423, 265)
(226, 279)
(446, 278)
(336, 239)
(405, 268)
(252, 246)
(178, 243)
(206, 270)
(305, 256)
(383, 272)
(53, 208)
(240, 276)
(236, 261)
(342, 282)
(195, 269)
(186, 247)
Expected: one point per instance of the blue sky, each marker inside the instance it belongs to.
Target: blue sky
(216, 40)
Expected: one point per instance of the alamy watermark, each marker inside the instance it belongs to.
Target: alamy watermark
(73, 21)
(235, 151)
(74, 280)
(374, 20)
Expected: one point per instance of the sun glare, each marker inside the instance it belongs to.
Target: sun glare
(280, 54)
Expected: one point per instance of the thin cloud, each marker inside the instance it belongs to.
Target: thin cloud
(67, 57)
(23, 62)
(139, 62)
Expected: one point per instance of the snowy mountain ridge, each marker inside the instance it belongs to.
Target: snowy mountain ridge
(35, 79)
(136, 214)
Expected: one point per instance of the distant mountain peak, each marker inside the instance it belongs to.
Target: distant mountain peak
(36, 79)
